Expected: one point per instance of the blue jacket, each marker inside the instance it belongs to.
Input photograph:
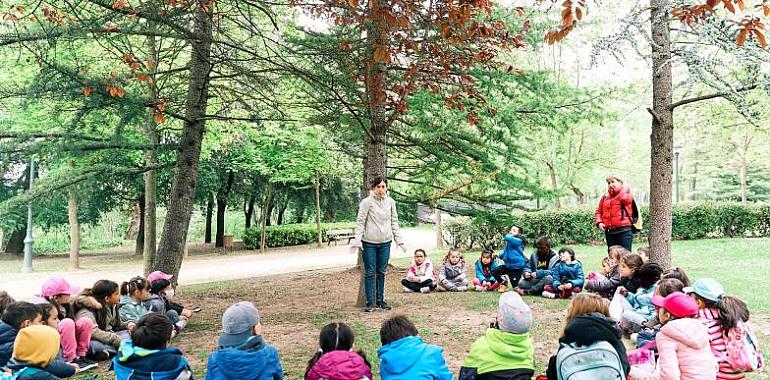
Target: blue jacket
(137, 363)
(412, 359)
(254, 360)
(58, 367)
(24, 371)
(572, 273)
(542, 267)
(480, 271)
(642, 301)
(513, 253)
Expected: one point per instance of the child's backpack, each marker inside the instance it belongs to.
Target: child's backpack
(743, 351)
(637, 224)
(598, 361)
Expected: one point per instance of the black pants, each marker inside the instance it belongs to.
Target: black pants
(513, 274)
(624, 238)
(415, 286)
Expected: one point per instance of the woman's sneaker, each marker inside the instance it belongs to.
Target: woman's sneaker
(384, 306)
(368, 309)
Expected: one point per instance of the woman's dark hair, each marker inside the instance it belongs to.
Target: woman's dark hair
(677, 273)
(543, 240)
(334, 336)
(152, 331)
(568, 250)
(396, 328)
(135, 284)
(158, 286)
(667, 286)
(100, 291)
(376, 181)
(731, 310)
(648, 274)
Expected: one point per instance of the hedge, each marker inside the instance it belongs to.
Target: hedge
(576, 225)
(290, 234)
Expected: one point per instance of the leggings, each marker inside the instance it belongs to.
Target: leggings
(75, 337)
(513, 274)
(416, 286)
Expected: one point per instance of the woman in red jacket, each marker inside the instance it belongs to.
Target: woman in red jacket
(613, 216)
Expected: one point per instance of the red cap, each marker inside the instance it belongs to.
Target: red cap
(56, 286)
(158, 275)
(678, 304)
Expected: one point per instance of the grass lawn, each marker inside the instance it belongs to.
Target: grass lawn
(294, 307)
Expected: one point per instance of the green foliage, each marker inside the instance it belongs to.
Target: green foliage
(290, 234)
(576, 225)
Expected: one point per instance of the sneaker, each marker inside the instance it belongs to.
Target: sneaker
(462, 288)
(506, 280)
(368, 309)
(85, 364)
(384, 306)
(407, 290)
(480, 288)
(101, 356)
(502, 289)
(425, 289)
(548, 294)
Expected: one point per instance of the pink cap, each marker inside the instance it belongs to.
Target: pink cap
(158, 275)
(56, 286)
(678, 304)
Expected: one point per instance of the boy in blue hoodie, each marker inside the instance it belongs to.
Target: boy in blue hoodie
(242, 354)
(17, 316)
(404, 355)
(146, 356)
(514, 260)
(568, 277)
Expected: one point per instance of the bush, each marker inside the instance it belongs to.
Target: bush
(576, 225)
(290, 234)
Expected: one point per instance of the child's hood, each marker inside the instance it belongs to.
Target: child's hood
(251, 360)
(406, 353)
(509, 345)
(688, 331)
(87, 302)
(340, 365)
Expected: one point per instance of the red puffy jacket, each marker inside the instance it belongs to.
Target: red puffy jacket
(615, 208)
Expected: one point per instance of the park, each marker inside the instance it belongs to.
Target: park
(302, 156)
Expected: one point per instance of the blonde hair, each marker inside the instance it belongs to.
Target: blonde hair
(613, 177)
(587, 303)
(615, 252)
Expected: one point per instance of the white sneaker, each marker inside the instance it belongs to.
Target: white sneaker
(462, 288)
(425, 289)
(407, 290)
(480, 288)
(634, 336)
(548, 294)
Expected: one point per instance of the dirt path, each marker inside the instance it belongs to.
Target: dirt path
(195, 270)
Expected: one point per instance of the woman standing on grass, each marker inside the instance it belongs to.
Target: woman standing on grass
(376, 228)
(614, 214)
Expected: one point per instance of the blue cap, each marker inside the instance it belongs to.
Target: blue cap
(238, 321)
(707, 288)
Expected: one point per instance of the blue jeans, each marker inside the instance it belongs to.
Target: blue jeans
(376, 258)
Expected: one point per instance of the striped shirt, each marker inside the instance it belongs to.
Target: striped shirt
(710, 318)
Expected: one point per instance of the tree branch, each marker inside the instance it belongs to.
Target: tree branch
(710, 96)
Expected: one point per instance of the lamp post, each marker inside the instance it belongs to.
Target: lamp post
(677, 150)
(28, 241)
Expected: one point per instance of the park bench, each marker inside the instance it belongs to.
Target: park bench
(334, 235)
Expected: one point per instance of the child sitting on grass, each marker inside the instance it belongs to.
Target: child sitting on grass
(538, 274)
(17, 316)
(336, 359)
(606, 282)
(404, 355)
(75, 336)
(505, 351)
(652, 326)
(146, 356)
(514, 260)
(34, 349)
(100, 304)
(158, 303)
(451, 274)
(634, 309)
(133, 294)
(170, 304)
(420, 277)
(485, 265)
(243, 354)
(567, 275)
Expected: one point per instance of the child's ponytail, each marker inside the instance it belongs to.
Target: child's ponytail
(334, 336)
(732, 311)
(135, 284)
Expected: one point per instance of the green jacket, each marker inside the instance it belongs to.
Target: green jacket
(498, 350)
(131, 310)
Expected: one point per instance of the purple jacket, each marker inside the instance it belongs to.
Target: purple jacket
(340, 365)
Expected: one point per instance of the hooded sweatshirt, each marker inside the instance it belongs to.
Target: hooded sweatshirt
(25, 371)
(685, 354)
(377, 221)
(423, 271)
(484, 273)
(573, 273)
(542, 265)
(450, 276)
(588, 329)
(253, 360)
(137, 363)
(410, 358)
(513, 253)
(89, 306)
(130, 310)
(500, 354)
(340, 365)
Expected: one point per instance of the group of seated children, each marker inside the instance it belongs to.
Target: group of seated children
(90, 325)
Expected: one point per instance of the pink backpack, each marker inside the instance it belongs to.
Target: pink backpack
(743, 352)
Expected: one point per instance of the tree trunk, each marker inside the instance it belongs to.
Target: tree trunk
(139, 247)
(133, 223)
(209, 214)
(579, 195)
(249, 214)
(554, 184)
(222, 196)
(281, 211)
(744, 181)
(299, 216)
(180, 205)
(439, 229)
(16, 241)
(72, 216)
(269, 213)
(264, 216)
(318, 209)
(150, 159)
(662, 137)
